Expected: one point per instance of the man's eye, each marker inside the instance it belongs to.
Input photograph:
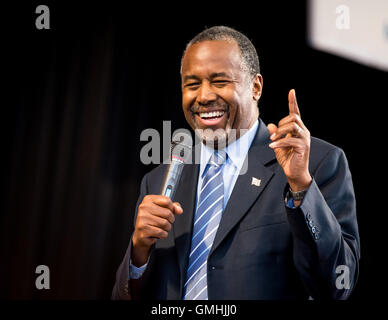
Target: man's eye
(193, 84)
(220, 82)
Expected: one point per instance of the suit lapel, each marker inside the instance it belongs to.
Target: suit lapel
(245, 193)
(182, 226)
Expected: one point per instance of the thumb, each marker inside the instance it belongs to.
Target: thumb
(272, 128)
(177, 208)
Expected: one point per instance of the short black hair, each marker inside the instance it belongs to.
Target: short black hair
(250, 59)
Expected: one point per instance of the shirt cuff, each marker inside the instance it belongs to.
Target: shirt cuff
(136, 272)
(288, 200)
(290, 203)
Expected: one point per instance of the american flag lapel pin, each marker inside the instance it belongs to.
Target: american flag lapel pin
(256, 182)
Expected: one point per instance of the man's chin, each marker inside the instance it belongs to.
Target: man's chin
(216, 139)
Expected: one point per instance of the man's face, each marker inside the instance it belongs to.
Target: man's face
(217, 93)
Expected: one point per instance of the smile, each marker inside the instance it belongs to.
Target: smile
(211, 115)
(211, 119)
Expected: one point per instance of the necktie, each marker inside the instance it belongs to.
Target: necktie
(206, 221)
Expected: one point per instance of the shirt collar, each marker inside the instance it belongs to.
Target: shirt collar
(236, 151)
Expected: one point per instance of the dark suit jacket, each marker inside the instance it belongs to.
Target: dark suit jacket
(262, 249)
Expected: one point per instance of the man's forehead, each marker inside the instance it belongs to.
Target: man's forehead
(215, 54)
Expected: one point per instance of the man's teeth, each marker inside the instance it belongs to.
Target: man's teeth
(211, 114)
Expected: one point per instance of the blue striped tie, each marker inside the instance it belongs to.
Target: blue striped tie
(206, 221)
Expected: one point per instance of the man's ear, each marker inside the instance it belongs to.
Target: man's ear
(257, 87)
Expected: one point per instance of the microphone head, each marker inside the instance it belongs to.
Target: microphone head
(180, 154)
(181, 147)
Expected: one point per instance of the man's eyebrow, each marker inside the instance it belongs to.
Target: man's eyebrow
(190, 77)
(219, 74)
(212, 76)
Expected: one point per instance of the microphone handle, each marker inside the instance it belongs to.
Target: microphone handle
(172, 178)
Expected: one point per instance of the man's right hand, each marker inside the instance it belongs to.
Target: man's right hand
(155, 216)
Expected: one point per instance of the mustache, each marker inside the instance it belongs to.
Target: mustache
(213, 105)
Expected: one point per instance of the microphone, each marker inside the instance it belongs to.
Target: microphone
(180, 154)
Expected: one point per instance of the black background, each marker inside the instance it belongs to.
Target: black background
(76, 98)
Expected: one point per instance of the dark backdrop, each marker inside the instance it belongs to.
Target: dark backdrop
(76, 98)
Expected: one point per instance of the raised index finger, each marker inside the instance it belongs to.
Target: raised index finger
(292, 104)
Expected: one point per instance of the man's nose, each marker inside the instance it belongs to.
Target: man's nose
(206, 94)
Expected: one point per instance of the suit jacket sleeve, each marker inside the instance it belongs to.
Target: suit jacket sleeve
(325, 233)
(122, 287)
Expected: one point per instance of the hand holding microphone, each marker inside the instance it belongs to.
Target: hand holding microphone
(156, 213)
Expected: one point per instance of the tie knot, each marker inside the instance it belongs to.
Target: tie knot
(218, 158)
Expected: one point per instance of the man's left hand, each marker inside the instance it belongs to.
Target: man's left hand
(291, 143)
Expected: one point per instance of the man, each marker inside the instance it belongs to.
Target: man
(285, 229)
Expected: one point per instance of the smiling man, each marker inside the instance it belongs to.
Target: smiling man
(218, 90)
(284, 228)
